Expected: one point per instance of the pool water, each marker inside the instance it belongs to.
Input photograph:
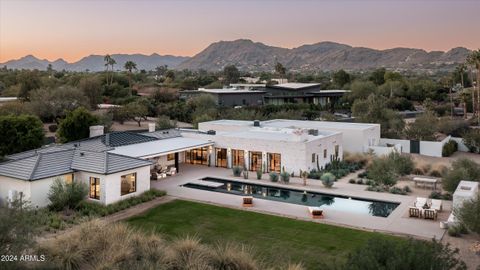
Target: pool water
(324, 201)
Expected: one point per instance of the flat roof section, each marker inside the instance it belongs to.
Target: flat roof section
(284, 135)
(160, 147)
(283, 123)
(295, 86)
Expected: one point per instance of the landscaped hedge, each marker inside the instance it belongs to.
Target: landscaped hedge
(87, 208)
(339, 168)
(449, 148)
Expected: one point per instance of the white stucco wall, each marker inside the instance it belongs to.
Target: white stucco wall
(7, 183)
(461, 146)
(295, 156)
(110, 184)
(405, 144)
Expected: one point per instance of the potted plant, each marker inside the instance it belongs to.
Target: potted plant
(259, 174)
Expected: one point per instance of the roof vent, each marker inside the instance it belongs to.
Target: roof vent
(256, 123)
(82, 154)
(313, 132)
(211, 132)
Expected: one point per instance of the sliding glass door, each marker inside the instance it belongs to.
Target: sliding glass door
(255, 161)
(274, 162)
(238, 158)
(221, 157)
(197, 156)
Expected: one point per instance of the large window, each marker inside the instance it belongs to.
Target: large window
(69, 178)
(197, 156)
(128, 183)
(238, 158)
(274, 162)
(221, 154)
(324, 153)
(255, 161)
(171, 157)
(94, 188)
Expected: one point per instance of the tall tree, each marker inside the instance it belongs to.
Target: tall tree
(76, 125)
(231, 74)
(340, 78)
(107, 59)
(129, 66)
(280, 70)
(474, 60)
(20, 133)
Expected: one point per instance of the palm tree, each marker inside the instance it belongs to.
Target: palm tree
(111, 62)
(461, 70)
(464, 99)
(129, 66)
(107, 60)
(474, 60)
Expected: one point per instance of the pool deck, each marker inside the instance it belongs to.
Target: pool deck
(397, 222)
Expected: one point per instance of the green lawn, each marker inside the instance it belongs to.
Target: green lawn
(275, 239)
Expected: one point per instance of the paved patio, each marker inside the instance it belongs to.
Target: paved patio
(397, 222)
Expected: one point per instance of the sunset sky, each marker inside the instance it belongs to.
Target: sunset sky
(72, 29)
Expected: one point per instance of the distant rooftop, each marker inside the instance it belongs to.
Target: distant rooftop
(284, 123)
(229, 91)
(295, 86)
(276, 134)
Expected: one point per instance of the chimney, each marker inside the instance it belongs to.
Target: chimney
(256, 123)
(151, 127)
(96, 131)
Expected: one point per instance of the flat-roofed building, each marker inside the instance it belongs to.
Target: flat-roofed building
(229, 97)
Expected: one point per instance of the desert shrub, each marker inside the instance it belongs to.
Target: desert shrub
(381, 172)
(352, 181)
(328, 179)
(314, 174)
(237, 171)
(285, 177)
(418, 171)
(435, 173)
(362, 175)
(377, 252)
(402, 164)
(375, 188)
(407, 189)
(471, 139)
(454, 231)
(66, 195)
(245, 174)
(469, 214)
(360, 181)
(88, 208)
(449, 148)
(462, 169)
(118, 246)
(273, 176)
(397, 190)
(440, 196)
(259, 174)
(52, 128)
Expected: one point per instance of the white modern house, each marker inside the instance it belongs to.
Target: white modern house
(356, 137)
(119, 165)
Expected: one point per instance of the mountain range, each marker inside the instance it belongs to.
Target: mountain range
(255, 56)
(96, 62)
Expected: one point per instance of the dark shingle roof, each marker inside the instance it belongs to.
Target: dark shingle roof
(42, 165)
(163, 134)
(115, 139)
(105, 162)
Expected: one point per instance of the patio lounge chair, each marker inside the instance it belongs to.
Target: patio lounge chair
(315, 212)
(420, 202)
(430, 214)
(414, 212)
(172, 171)
(437, 205)
(247, 201)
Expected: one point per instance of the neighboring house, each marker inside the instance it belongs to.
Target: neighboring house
(465, 191)
(279, 94)
(229, 97)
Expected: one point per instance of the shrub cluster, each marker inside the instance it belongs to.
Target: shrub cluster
(449, 148)
(87, 208)
(273, 176)
(440, 196)
(66, 195)
(328, 179)
(237, 171)
(285, 177)
(117, 246)
(336, 167)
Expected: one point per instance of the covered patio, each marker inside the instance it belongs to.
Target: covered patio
(166, 155)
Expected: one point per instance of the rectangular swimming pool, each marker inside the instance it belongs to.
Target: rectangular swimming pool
(295, 196)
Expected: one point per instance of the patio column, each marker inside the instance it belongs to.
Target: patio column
(264, 162)
(246, 155)
(229, 157)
